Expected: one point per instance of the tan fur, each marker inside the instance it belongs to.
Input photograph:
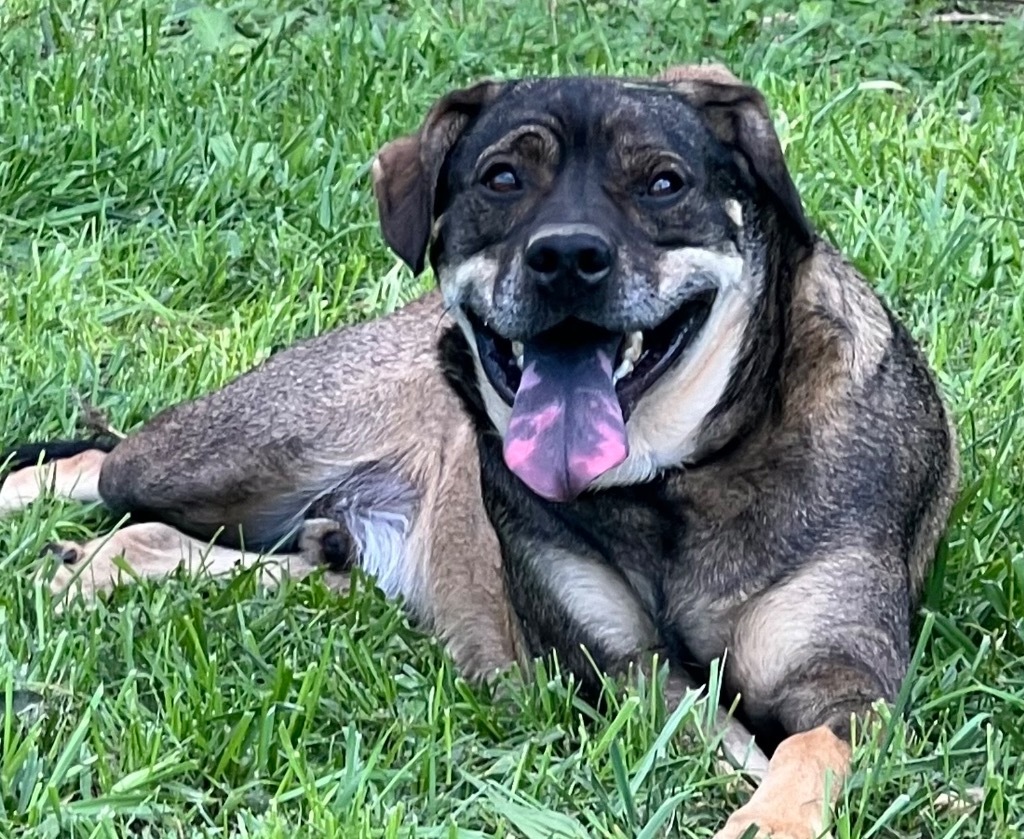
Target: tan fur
(679, 268)
(824, 296)
(153, 551)
(846, 332)
(665, 428)
(536, 138)
(789, 621)
(468, 607)
(499, 412)
(600, 600)
(805, 777)
(713, 72)
(75, 478)
(479, 272)
(398, 410)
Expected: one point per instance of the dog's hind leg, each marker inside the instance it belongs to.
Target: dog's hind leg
(73, 476)
(153, 551)
(358, 425)
(74, 471)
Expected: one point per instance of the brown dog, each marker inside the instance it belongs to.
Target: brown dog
(649, 411)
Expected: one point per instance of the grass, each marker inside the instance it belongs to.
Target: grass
(182, 190)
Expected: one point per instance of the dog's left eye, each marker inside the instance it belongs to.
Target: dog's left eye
(664, 184)
(501, 178)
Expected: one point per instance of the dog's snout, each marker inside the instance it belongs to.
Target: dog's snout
(567, 261)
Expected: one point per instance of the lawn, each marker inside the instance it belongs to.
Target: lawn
(184, 190)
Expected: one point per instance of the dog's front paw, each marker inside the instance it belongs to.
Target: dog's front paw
(759, 823)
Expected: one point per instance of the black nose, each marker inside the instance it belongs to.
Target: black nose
(564, 264)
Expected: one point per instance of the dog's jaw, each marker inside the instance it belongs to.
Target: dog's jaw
(498, 411)
(665, 429)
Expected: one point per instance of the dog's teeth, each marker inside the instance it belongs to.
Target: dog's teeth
(634, 347)
(734, 210)
(630, 355)
(517, 352)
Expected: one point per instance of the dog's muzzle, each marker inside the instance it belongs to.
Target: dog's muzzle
(572, 386)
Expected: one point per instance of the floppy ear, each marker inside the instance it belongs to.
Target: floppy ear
(405, 171)
(738, 115)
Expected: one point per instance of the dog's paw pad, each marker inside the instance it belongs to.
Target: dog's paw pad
(327, 542)
(338, 550)
(67, 552)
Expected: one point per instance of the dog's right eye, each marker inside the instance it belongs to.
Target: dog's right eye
(501, 178)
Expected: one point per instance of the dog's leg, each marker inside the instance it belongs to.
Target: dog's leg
(75, 478)
(812, 653)
(154, 551)
(358, 425)
(739, 749)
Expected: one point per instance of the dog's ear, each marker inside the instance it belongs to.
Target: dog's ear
(405, 171)
(738, 115)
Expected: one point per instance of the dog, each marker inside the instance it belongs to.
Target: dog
(647, 411)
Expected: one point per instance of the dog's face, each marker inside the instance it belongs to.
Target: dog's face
(589, 236)
(573, 202)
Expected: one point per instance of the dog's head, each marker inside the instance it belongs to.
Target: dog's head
(603, 244)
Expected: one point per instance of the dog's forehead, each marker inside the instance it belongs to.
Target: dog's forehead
(584, 106)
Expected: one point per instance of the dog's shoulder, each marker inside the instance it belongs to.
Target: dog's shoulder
(840, 331)
(860, 401)
(848, 354)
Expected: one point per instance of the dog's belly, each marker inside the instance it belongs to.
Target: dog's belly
(378, 506)
(381, 535)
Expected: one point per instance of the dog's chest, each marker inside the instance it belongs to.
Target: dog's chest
(609, 572)
(669, 551)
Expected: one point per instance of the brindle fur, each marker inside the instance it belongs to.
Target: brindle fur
(788, 524)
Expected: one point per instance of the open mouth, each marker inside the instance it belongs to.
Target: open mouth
(573, 387)
(641, 358)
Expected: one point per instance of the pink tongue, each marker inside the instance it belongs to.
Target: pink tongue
(566, 428)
